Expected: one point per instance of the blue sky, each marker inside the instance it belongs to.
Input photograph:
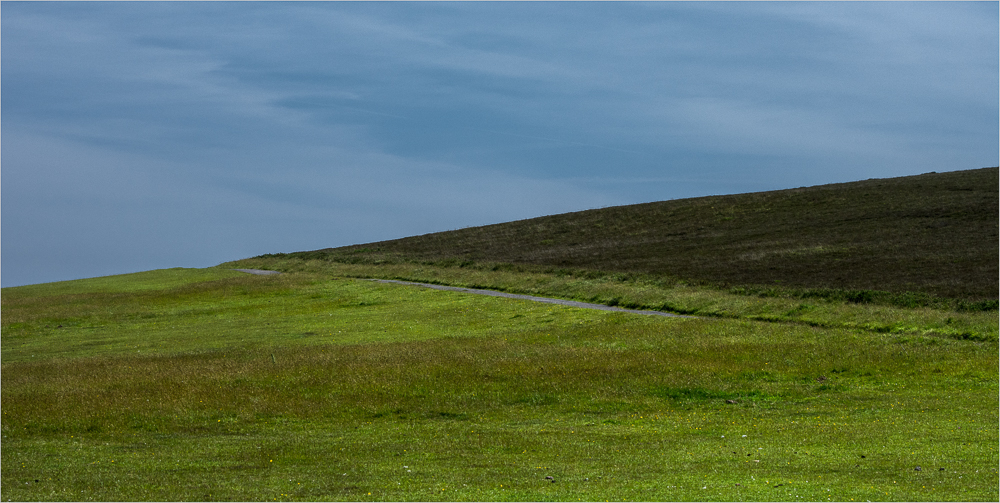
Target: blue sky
(147, 135)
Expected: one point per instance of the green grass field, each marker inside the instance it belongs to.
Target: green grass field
(208, 384)
(844, 348)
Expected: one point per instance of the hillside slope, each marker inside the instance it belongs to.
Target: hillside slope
(934, 233)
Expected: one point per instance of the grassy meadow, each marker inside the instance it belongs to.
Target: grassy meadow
(842, 346)
(208, 384)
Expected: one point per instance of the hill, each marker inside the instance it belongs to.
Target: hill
(320, 385)
(934, 233)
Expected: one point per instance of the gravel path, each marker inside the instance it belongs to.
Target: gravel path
(561, 302)
(492, 293)
(257, 271)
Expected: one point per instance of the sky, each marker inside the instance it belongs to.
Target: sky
(147, 135)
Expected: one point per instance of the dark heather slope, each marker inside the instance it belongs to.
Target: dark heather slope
(934, 233)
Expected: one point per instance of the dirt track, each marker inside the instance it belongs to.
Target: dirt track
(260, 272)
(561, 302)
(491, 293)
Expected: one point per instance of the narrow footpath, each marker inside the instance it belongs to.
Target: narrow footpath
(493, 293)
(561, 302)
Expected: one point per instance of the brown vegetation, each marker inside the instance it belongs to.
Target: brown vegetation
(935, 234)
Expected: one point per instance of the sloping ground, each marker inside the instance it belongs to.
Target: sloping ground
(934, 233)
